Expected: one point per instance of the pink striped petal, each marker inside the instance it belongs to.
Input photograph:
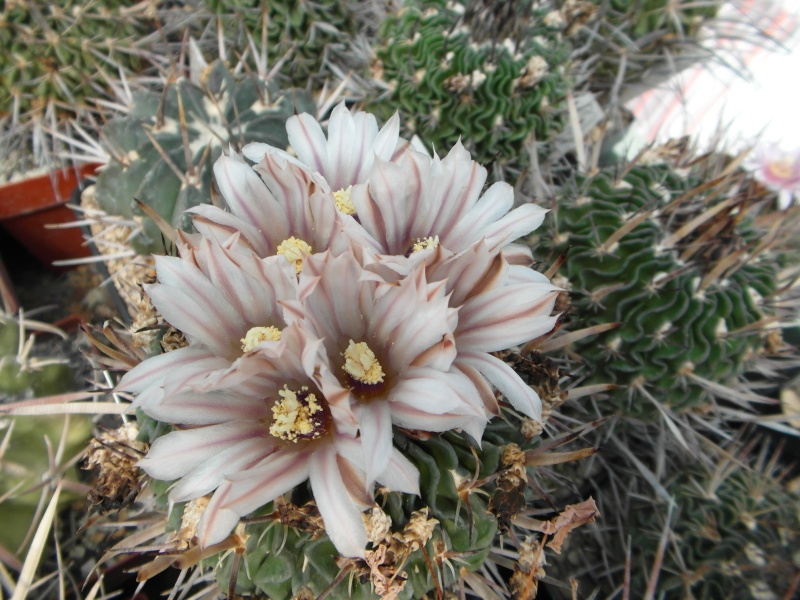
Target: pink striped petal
(153, 370)
(341, 517)
(400, 475)
(375, 421)
(175, 454)
(255, 152)
(435, 392)
(308, 141)
(388, 139)
(492, 206)
(248, 197)
(242, 493)
(218, 225)
(208, 475)
(519, 222)
(506, 316)
(505, 379)
(208, 408)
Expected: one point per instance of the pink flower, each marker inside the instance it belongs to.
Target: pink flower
(778, 169)
(416, 202)
(251, 443)
(346, 156)
(277, 207)
(215, 296)
(391, 345)
(500, 306)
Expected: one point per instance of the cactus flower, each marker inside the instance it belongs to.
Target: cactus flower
(215, 296)
(257, 439)
(778, 169)
(391, 346)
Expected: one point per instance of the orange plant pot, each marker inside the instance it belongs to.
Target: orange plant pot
(29, 206)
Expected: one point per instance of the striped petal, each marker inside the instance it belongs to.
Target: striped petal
(505, 379)
(342, 518)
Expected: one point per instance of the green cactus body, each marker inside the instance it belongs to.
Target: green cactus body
(26, 457)
(306, 33)
(223, 110)
(293, 557)
(59, 53)
(685, 308)
(451, 80)
(735, 534)
(655, 35)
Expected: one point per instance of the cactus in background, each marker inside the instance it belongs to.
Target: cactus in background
(23, 375)
(24, 458)
(654, 38)
(492, 74)
(309, 36)
(163, 150)
(56, 57)
(671, 252)
(735, 528)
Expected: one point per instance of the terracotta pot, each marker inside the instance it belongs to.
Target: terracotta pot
(27, 207)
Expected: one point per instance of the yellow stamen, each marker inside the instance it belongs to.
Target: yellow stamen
(293, 251)
(292, 418)
(781, 168)
(343, 201)
(361, 364)
(425, 244)
(256, 335)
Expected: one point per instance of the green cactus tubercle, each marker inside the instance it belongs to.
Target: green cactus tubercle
(60, 53)
(449, 81)
(685, 298)
(736, 534)
(150, 162)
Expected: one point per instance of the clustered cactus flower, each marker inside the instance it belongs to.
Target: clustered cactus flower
(351, 288)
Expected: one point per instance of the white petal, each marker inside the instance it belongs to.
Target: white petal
(246, 195)
(153, 370)
(244, 492)
(341, 517)
(208, 475)
(506, 316)
(192, 408)
(401, 475)
(255, 152)
(175, 454)
(519, 222)
(308, 141)
(505, 379)
(375, 422)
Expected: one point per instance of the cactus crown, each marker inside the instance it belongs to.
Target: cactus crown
(672, 253)
(163, 150)
(489, 73)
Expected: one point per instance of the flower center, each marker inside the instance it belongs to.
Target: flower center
(781, 168)
(298, 415)
(256, 335)
(361, 364)
(428, 243)
(293, 251)
(343, 201)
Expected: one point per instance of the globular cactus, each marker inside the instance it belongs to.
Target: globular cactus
(23, 375)
(56, 55)
(163, 150)
(24, 459)
(734, 532)
(654, 38)
(306, 38)
(451, 75)
(670, 252)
